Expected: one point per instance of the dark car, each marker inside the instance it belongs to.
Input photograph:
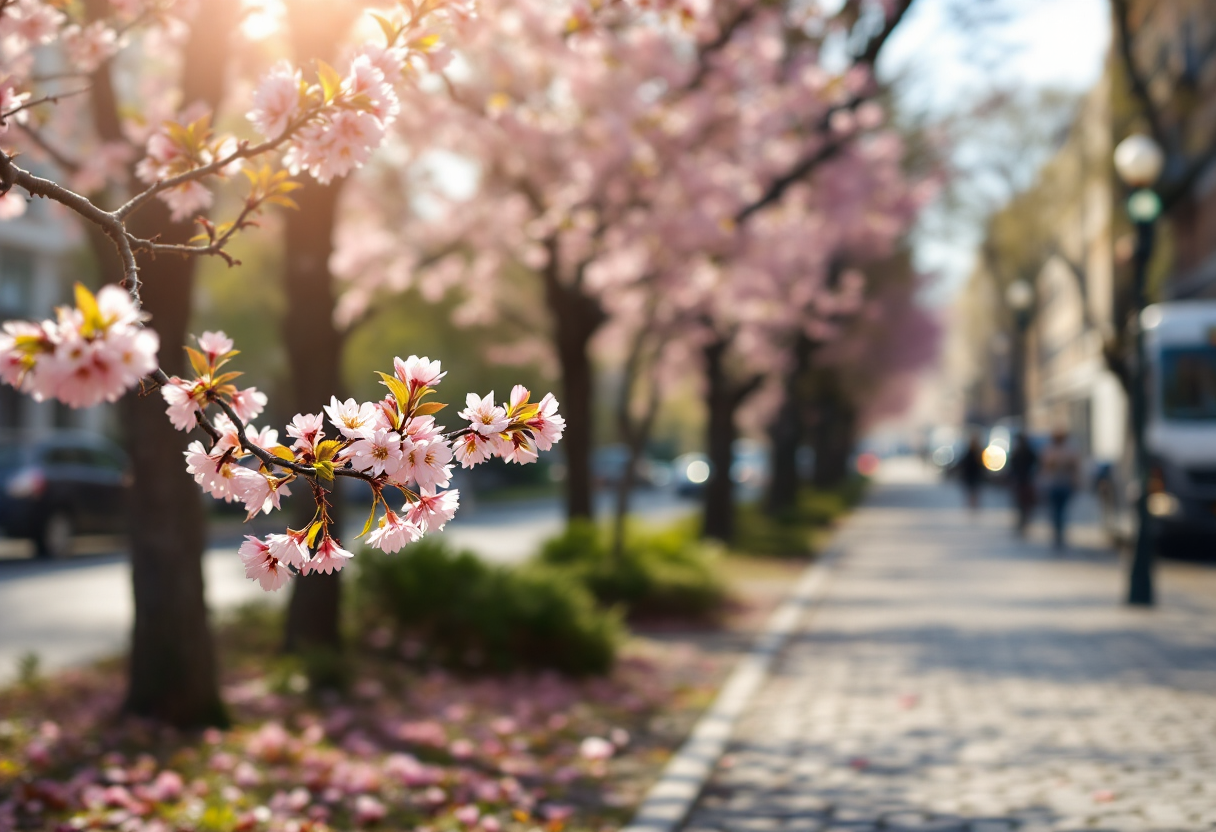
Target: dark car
(56, 486)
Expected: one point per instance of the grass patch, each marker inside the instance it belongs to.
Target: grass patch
(800, 532)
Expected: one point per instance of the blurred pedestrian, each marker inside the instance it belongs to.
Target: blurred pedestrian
(1061, 470)
(1023, 464)
(971, 471)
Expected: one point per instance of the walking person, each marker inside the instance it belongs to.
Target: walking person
(971, 472)
(1061, 469)
(1023, 465)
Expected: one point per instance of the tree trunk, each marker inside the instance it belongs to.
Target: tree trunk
(576, 318)
(719, 505)
(314, 344)
(314, 354)
(834, 438)
(786, 434)
(172, 674)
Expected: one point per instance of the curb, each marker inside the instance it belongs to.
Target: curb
(669, 801)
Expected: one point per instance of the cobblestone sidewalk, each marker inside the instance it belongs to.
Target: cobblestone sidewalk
(956, 679)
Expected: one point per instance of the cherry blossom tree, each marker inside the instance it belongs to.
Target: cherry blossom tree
(619, 147)
(325, 123)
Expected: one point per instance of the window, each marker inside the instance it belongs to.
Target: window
(68, 455)
(16, 282)
(1188, 383)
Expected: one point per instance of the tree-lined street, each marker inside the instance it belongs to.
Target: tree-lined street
(79, 610)
(957, 679)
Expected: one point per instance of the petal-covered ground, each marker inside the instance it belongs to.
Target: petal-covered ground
(401, 749)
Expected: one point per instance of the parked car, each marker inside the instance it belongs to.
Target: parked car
(54, 486)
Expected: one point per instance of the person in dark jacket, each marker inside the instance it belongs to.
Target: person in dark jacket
(1023, 465)
(971, 472)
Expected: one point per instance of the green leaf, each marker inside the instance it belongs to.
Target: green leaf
(389, 29)
(284, 453)
(400, 392)
(328, 449)
(87, 304)
(429, 409)
(198, 361)
(325, 470)
(225, 378)
(371, 518)
(331, 81)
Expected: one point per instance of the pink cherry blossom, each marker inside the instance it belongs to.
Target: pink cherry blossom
(91, 46)
(213, 477)
(418, 372)
(261, 565)
(352, 419)
(259, 492)
(248, 403)
(393, 533)
(183, 403)
(229, 436)
(34, 22)
(596, 748)
(368, 80)
(472, 449)
(329, 557)
(422, 428)
(276, 101)
(483, 415)
(307, 429)
(289, 549)
(428, 463)
(214, 344)
(431, 511)
(519, 448)
(368, 810)
(547, 426)
(381, 454)
(266, 438)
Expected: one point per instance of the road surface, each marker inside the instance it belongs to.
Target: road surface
(79, 609)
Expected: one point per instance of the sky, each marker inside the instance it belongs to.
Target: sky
(940, 65)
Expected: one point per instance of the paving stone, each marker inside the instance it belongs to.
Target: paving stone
(955, 678)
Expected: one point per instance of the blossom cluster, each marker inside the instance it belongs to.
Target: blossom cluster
(92, 352)
(393, 444)
(326, 126)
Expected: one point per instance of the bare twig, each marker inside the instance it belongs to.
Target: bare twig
(52, 98)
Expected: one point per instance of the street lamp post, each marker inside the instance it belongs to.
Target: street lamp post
(1138, 161)
(1020, 297)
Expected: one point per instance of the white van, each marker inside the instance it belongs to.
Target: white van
(1180, 431)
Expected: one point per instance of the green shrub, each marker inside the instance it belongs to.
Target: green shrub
(660, 572)
(793, 534)
(467, 613)
(757, 533)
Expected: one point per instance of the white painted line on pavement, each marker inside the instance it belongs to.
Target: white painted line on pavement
(669, 801)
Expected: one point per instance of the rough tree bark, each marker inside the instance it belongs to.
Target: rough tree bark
(787, 433)
(314, 355)
(576, 318)
(172, 674)
(835, 434)
(314, 343)
(635, 431)
(723, 397)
